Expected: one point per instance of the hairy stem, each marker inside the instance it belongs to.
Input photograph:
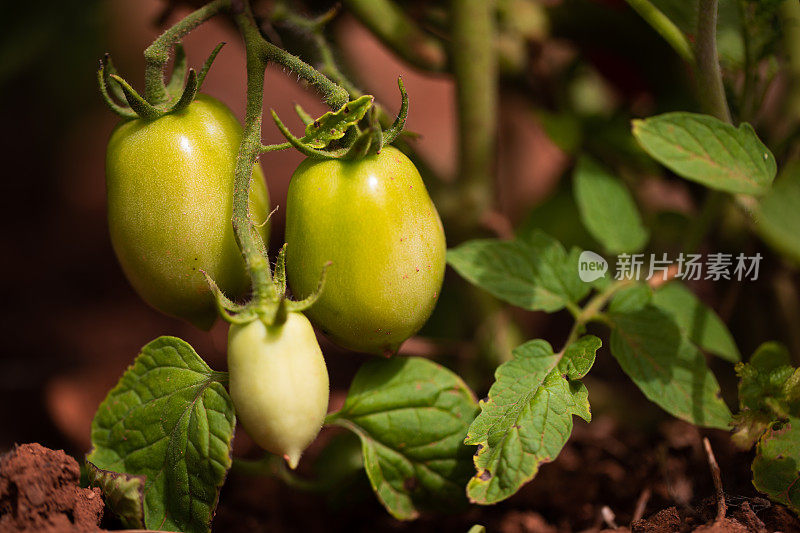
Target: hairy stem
(259, 53)
(475, 68)
(157, 54)
(709, 74)
(665, 27)
(396, 30)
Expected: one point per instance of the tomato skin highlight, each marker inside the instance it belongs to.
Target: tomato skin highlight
(279, 384)
(170, 198)
(374, 220)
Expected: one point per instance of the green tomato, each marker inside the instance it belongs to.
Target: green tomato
(170, 199)
(279, 384)
(373, 219)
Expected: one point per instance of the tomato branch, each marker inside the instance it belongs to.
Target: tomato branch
(709, 74)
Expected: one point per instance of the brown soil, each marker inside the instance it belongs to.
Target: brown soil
(39, 492)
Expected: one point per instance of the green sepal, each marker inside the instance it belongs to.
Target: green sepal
(303, 148)
(175, 84)
(305, 118)
(106, 90)
(377, 134)
(207, 65)
(279, 276)
(361, 146)
(396, 128)
(140, 106)
(189, 92)
(307, 302)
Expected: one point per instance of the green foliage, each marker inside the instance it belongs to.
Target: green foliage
(123, 494)
(779, 215)
(527, 418)
(667, 368)
(696, 320)
(532, 272)
(776, 468)
(769, 391)
(607, 208)
(708, 151)
(412, 416)
(170, 421)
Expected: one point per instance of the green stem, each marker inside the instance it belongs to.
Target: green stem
(157, 54)
(259, 53)
(592, 311)
(475, 69)
(790, 24)
(399, 32)
(709, 74)
(665, 27)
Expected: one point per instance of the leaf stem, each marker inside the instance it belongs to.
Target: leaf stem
(157, 54)
(592, 311)
(665, 27)
(709, 74)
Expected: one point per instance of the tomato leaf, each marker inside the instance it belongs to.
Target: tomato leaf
(667, 367)
(607, 208)
(769, 391)
(333, 124)
(411, 415)
(169, 420)
(696, 320)
(779, 215)
(532, 271)
(123, 494)
(776, 467)
(527, 417)
(708, 151)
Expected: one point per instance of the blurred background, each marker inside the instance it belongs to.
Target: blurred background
(72, 324)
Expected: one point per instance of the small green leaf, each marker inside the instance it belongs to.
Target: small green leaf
(333, 124)
(170, 420)
(696, 320)
(532, 272)
(776, 467)
(122, 493)
(607, 208)
(632, 298)
(779, 216)
(527, 418)
(412, 416)
(708, 151)
(668, 369)
(769, 391)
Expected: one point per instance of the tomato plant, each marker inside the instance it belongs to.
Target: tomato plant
(374, 221)
(365, 253)
(170, 200)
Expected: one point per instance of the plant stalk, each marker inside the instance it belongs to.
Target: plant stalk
(709, 74)
(475, 68)
(665, 27)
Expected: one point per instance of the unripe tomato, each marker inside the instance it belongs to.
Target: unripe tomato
(374, 220)
(278, 383)
(170, 199)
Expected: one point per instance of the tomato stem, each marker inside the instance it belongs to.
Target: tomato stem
(157, 54)
(709, 74)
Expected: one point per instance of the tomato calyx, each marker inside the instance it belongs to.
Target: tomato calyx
(179, 93)
(270, 304)
(337, 135)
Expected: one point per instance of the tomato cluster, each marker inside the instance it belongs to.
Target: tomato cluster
(170, 195)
